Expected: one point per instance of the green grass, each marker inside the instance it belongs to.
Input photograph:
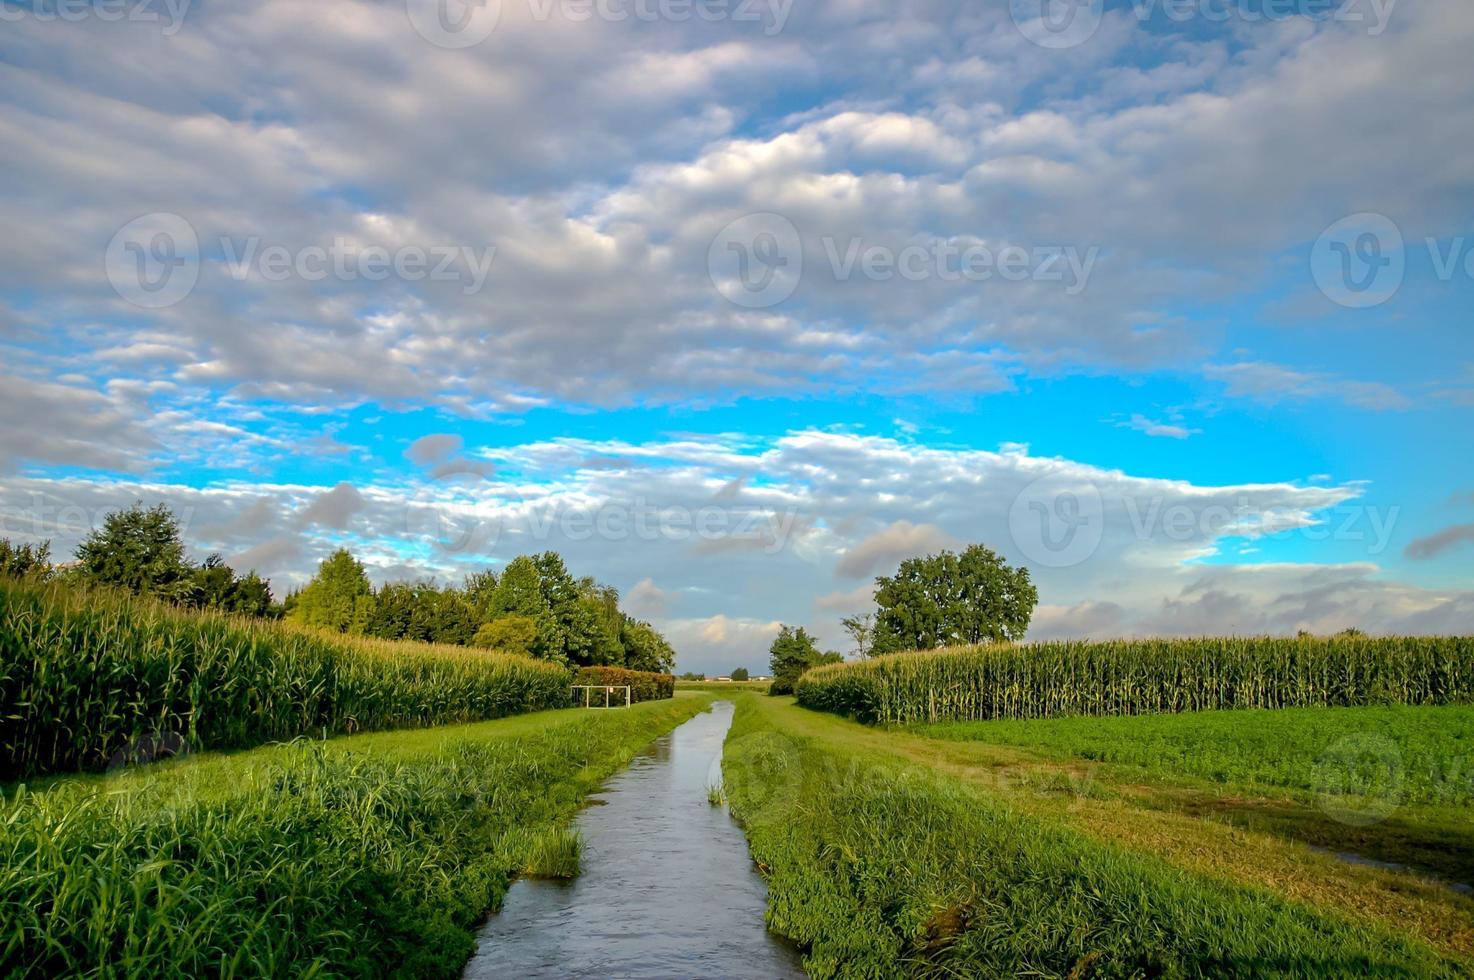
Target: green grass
(374, 855)
(882, 867)
(1147, 676)
(1429, 751)
(91, 679)
(1392, 784)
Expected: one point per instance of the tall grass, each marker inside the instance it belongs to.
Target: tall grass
(89, 679)
(372, 856)
(1130, 677)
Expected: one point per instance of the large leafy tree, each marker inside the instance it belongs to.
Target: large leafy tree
(949, 599)
(645, 648)
(339, 597)
(139, 549)
(508, 634)
(793, 652)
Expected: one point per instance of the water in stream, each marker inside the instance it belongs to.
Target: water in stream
(667, 888)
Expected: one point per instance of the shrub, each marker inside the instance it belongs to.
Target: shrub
(643, 685)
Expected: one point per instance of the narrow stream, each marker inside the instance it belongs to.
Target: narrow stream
(667, 888)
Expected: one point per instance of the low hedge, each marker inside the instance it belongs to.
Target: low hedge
(643, 685)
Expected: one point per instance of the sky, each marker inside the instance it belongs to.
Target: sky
(738, 303)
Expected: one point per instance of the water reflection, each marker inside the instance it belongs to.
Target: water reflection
(667, 888)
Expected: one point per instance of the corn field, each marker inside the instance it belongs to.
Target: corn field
(1133, 677)
(89, 680)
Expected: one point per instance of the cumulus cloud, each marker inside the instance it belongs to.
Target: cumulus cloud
(333, 509)
(887, 547)
(937, 129)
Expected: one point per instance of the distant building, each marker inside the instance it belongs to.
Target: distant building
(725, 680)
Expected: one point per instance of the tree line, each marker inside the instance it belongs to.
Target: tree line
(534, 607)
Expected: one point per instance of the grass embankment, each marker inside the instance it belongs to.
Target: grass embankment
(88, 679)
(1132, 677)
(892, 855)
(371, 855)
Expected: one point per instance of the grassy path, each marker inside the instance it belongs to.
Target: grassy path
(890, 851)
(367, 856)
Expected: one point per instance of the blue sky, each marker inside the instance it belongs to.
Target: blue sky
(1170, 304)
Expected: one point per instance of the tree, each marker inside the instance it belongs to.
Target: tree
(739, 674)
(508, 634)
(139, 550)
(862, 632)
(793, 652)
(948, 599)
(339, 598)
(645, 648)
(215, 585)
(24, 560)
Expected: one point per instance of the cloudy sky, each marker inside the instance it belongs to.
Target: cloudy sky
(736, 304)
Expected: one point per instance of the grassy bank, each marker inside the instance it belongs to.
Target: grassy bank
(893, 855)
(1132, 677)
(373, 855)
(90, 679)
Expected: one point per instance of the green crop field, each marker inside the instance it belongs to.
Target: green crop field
(372, 855)
(1131, 677)
(92, 679)
(891, 854)
(1422, 754)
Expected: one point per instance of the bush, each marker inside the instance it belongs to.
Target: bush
(1130, 677)
(643, 685)
(89, 678)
